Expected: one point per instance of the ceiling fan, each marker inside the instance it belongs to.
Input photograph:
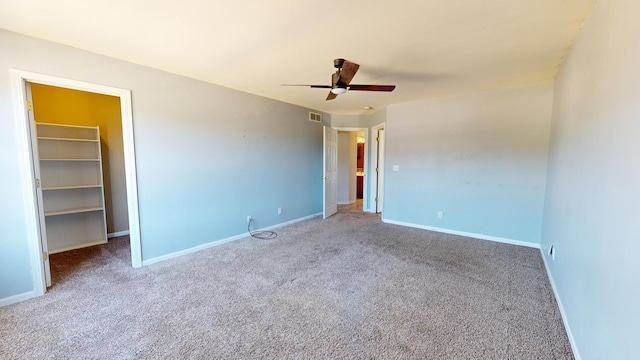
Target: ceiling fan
(341, 80)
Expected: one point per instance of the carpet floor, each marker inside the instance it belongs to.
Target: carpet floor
(349, 287)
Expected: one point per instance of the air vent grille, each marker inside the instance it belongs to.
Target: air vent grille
(315, 117)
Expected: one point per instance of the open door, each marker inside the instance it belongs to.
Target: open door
(380, 171)
(330, 168)
(44, 247)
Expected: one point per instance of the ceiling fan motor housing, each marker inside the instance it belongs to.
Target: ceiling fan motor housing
(337, 63)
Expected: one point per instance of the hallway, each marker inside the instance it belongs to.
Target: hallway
(356, 207)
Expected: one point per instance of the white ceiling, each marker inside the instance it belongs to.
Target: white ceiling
(428, 48)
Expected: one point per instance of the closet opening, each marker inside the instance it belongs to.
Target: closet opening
(77, 151)
(81, 163)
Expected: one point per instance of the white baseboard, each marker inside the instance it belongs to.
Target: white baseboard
(565, 321)
(462, 233)
(221, 241)
(117, 234)
(17, 298)
(289, 222)
(192, 249)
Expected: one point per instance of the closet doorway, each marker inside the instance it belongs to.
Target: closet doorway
(81, 159)
(57, 118)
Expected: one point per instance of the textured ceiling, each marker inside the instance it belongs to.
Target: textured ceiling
(428, 48)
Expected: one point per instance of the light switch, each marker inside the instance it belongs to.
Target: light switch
(396, 167)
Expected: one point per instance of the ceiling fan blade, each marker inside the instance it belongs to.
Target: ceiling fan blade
(341, 79)
(311, 86)
(347, 73)
(386, 88)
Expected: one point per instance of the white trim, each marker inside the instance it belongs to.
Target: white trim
(23, 137)
(290, 222)
(373, 178)
(17, 298)
(221, 241)
(117, 234)
(25, 157)
(131, 179)
(192, 249)
(463, 233)
(563, 314)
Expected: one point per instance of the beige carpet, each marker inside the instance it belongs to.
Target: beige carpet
(349, 287)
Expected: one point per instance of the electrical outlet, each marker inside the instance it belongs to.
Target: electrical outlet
(439, 214)
(249, 218)
(279, 211)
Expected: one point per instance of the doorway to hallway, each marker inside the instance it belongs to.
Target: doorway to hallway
(352, 167)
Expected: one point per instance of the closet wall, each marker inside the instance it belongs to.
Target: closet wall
(64, 106)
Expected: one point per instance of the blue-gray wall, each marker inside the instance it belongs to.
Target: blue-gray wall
(592, 206)
(207, 156)
(479, 158)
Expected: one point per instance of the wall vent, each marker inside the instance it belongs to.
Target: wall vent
(315, 117)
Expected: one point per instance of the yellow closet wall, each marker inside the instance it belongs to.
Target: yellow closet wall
(72, 107)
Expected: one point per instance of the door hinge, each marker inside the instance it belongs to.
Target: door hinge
(378, 138)
(377, 169)
(29, 106)
(375, 199)
(37, 183)
(45, 256)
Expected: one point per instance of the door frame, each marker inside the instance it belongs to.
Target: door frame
(19, 78)
(329, 177)
(365, 200)
(373, 179)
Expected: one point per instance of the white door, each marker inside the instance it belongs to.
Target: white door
(330, 168)
(380, 171)
(40, 206)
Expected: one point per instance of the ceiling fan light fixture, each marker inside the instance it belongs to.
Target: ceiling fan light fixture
(339, 90)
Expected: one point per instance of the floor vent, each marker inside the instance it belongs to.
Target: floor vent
(315, 117)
